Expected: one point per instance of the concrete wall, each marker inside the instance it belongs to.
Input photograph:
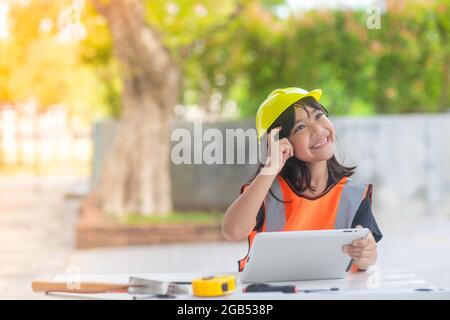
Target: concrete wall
(406, 157)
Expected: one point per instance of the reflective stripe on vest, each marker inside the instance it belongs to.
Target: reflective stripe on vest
(335, 209)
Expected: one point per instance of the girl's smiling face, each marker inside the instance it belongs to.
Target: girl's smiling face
(312, 136)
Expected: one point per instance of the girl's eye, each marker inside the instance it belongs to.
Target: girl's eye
(319, 115)
(300, 127)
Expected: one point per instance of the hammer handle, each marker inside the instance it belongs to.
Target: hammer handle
(81, 287)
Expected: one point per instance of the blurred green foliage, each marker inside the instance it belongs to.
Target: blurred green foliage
(402, 67)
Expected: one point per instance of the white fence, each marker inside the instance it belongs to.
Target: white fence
(49, 138)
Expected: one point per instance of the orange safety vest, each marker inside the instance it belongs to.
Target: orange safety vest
(334, 209)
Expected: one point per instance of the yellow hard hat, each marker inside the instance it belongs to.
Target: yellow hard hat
(278, 101)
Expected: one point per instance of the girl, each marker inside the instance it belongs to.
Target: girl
(302, 186)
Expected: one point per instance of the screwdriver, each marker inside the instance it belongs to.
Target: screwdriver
(264, 287)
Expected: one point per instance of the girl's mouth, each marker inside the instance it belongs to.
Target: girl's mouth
(321, 144)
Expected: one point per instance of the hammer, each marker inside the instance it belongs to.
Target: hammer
(135, 285)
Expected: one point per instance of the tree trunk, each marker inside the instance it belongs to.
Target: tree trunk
(135, 176)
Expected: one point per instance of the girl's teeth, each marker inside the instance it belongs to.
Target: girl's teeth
(321, 143)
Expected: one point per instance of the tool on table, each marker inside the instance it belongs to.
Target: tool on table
(135, 286)
(152, 296)
(428, 289)
(264, 287)
(213, 286)
(318, 290)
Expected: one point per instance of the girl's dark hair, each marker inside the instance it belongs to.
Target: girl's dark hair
(295, 171)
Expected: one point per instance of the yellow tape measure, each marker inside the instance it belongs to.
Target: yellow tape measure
(213, 286)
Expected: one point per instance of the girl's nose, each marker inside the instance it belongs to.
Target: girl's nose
(317, 130)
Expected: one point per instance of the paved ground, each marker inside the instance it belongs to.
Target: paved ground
(36, 240)
(36, 231)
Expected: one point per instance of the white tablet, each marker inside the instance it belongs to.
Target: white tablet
(299, 255)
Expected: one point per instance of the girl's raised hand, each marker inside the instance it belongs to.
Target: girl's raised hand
(278, 153)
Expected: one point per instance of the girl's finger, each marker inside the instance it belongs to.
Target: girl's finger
(291, 151)
(355, 250)
(371, 246)
(346, 248)
(360, 256)
(282, 150)
(368, 254)
(287, 148)
(366, 251)
(363, 261)
(356, 255)
(361, 243)
(285, 157)
(364, 255)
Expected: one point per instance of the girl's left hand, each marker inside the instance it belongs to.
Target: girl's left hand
(363, 251)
